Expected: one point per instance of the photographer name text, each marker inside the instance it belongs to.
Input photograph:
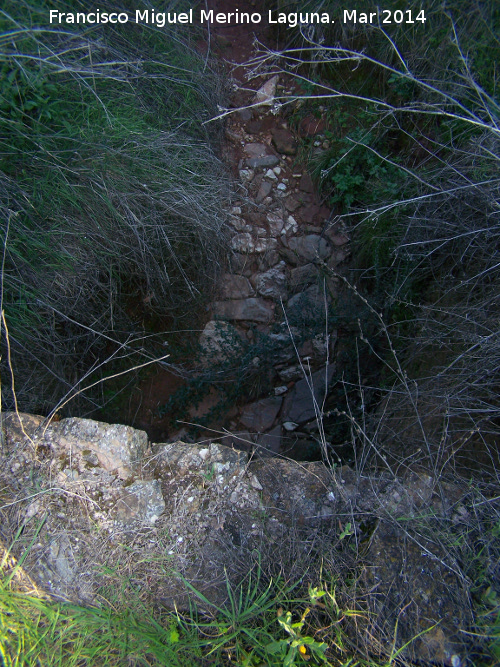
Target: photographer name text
(204, 16)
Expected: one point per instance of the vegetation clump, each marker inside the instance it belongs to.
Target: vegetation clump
(112, 197)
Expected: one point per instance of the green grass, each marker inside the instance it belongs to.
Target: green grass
(256, 627)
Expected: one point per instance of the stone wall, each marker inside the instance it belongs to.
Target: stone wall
(104, 510)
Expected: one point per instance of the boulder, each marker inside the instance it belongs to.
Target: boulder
(113, 447)
(209, 513)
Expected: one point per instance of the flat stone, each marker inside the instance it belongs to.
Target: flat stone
(290, 374)
(245, 114)
(264, 161)
(260, 416)
(304, 402)
(272, 284)
(310, 247)
(255, 150)
(235, 287)
(252, 309)
(266, 93)
(284, 142)
(336, 238)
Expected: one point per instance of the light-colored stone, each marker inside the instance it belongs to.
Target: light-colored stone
(271, 175)
(243, 242)
(290, 226)
(118, 448)
(219, 342)
(246, 175)
(290, 426)
(266, 93)
(290, 374)
(272, 284)
(239, 224)
(276, 222)
(263, 245)
(255, 150)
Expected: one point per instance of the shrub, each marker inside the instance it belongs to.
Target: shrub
(111, 191)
